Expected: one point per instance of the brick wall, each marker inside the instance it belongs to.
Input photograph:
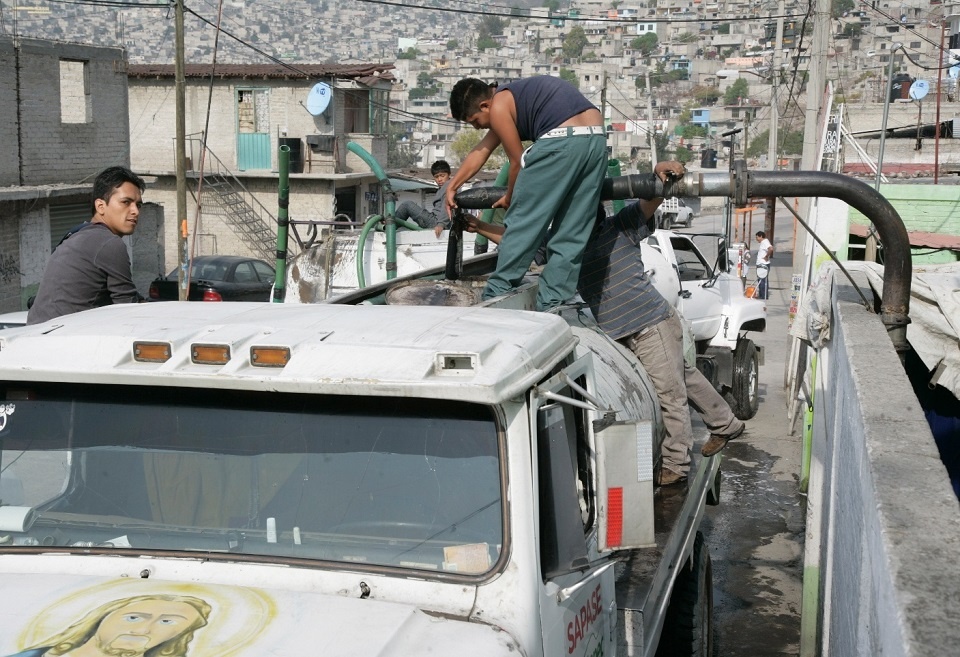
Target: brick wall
(9, 264)
(54, 151)
(9, 154)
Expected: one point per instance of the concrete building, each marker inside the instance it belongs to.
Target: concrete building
(63, 118)
(247, 113)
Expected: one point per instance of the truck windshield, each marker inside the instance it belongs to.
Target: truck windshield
(373, 481)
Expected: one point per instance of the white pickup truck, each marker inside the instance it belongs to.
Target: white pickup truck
(250, 479)
(673, 213)
(710, 296)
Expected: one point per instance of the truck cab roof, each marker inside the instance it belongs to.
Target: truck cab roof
(465, 354)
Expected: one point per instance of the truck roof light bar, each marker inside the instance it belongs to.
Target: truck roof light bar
(152, 352)
(269, 356)
(210, 354)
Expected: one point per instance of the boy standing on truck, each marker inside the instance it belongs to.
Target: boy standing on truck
(557, 179)
(438, 217)
(630, 310)
(92, 268)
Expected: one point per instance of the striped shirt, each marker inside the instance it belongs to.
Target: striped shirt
(612, 280)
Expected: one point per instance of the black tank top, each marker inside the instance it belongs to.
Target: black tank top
(543, 103)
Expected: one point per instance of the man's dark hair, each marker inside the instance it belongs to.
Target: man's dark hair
(467, 95)
(762, 235)
(107, 182)
(440, 166)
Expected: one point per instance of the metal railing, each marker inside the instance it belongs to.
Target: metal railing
(233, 201)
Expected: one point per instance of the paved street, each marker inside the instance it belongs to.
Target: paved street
(756, 533)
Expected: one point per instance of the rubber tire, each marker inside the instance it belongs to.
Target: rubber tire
(688, 624)
(744, 396)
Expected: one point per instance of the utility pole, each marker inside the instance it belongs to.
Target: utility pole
(773, 151)
(603, 101)
(181, 155)
(651, 127)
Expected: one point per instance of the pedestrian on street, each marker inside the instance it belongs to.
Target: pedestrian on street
(557, 179)
(91, 267)
(438, 217)
(764, 254)
(629, 309)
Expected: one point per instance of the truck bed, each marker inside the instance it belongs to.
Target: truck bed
(645, 575)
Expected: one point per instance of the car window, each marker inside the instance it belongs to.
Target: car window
(244, 273)
(264, 271)
(210, 271)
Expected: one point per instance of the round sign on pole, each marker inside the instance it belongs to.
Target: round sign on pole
(319, 98)
(919, 89)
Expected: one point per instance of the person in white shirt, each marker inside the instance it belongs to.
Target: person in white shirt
(764, 254)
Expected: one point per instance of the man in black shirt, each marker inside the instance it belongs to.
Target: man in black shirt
(92, 268)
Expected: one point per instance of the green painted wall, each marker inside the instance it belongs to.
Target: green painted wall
(926, 208)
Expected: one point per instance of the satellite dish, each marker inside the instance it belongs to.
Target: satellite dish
(319, 98)
(919, 89)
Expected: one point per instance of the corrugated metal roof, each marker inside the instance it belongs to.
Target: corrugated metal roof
(365, 73)
(917, 238)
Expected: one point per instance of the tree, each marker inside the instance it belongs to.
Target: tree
(791, 143)
(646, 44)
(409, 53)
(706, 95)
(466, 140)
(453, 44)
(840, 7)
(570, 76)
(552, 5)
(574, 42)
(490, 26)
(400, 153)
(735, 92)
(684, 154)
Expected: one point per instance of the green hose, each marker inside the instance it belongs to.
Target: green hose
(390, 223)
(367, 227)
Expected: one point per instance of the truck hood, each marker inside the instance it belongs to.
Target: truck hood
(41, 610)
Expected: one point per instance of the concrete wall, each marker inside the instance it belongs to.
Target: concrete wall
(152, 116)
(310, 199)
(887, 525)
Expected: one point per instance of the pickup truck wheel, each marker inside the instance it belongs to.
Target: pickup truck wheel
(744, 395)
(688, 624)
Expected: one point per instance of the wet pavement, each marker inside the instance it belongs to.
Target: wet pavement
(756, 534)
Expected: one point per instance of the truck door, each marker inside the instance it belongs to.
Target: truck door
(700, 301)
(577, 605)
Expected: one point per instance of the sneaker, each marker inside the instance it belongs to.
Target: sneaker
(669, 477)
(718, 442)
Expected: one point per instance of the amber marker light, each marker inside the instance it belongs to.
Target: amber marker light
(269, 356)
(210, 354)
(152, 352)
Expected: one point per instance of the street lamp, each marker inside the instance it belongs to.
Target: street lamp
(774, 109)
